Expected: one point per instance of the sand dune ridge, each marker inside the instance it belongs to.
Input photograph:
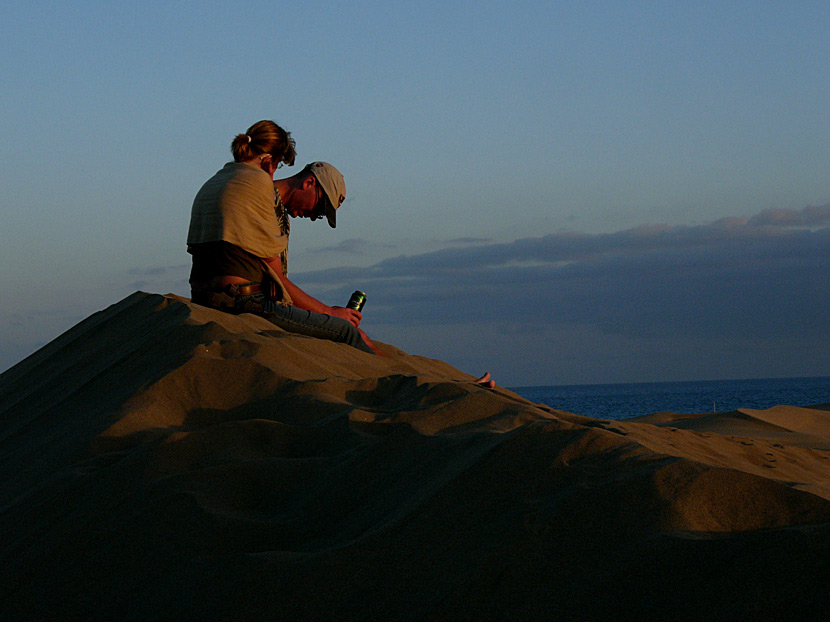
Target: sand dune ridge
(162, 459)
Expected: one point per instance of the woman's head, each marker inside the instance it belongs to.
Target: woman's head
(264, 137)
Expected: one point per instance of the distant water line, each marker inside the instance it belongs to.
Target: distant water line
(623, 401)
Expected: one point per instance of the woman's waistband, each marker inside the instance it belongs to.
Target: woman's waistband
(233, 294)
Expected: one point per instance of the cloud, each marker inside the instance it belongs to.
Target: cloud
(154, 271)
(734, 298)
(351, 246)
(469, 241)
(360, 246)
(732, 281)
(816, 216)
(159, 278)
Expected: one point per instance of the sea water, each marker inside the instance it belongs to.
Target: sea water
(623, 401)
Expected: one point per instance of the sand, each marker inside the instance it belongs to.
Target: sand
(161, 460)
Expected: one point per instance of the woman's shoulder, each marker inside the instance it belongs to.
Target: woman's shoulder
(245, 168)
(249, 174)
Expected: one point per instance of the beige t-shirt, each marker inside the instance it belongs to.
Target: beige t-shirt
(237, 205)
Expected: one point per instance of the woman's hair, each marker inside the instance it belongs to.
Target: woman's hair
(264, 137)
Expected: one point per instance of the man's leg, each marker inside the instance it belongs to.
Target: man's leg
(320, 325)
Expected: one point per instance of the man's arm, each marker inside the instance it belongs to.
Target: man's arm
(309, 303)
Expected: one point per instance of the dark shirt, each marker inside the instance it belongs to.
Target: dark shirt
(211, 259)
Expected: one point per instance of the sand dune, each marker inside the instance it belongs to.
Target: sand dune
(164, 460)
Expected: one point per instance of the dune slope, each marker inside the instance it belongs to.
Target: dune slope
(164, 460)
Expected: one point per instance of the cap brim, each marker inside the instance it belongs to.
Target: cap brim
(331, 214)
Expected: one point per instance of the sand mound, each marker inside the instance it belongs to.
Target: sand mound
(164, 460)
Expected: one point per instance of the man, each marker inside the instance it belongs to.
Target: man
(238, 237)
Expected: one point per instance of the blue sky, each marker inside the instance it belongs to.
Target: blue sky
(478, 141)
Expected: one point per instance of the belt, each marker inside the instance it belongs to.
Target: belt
(246, 289)
(233, 290)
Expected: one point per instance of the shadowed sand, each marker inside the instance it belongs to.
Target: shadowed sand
(162, 460)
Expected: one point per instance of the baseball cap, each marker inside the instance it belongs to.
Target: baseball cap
(333, 184)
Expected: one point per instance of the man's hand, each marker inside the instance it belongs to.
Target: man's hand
(350, 315)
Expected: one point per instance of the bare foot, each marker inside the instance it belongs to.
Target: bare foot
(372, 346)
(486, 382)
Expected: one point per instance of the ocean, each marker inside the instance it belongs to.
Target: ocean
(623, 401)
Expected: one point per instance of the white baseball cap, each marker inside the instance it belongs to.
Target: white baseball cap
(332, 182)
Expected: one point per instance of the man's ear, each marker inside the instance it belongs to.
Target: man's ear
(309, 182)
(265, 163)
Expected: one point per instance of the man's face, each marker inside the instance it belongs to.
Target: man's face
(307, 202)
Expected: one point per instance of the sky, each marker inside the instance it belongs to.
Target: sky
(559, 193)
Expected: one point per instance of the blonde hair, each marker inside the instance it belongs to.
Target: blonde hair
(264, 137)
